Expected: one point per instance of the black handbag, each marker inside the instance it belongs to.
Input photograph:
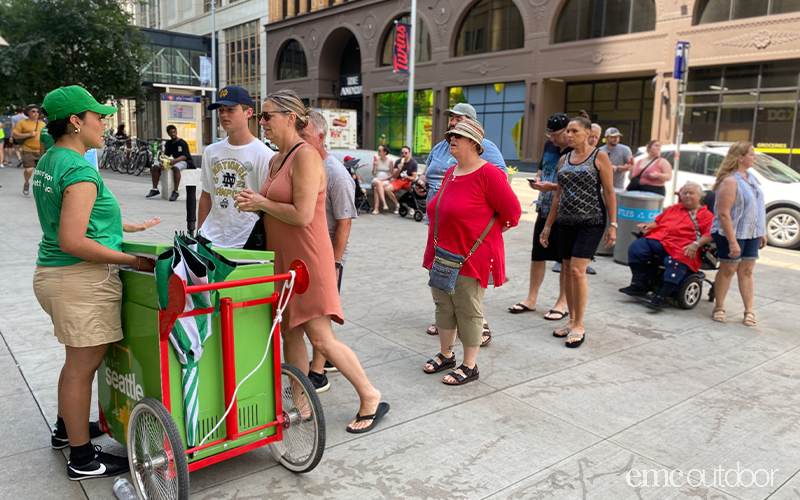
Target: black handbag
(635, 184)
(258, 236)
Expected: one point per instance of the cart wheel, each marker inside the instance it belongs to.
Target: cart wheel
(304, 430)
(418, 216)
(690, 293)
(156, 454)
(403, 211)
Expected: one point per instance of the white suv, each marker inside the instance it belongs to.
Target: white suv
(781, 185)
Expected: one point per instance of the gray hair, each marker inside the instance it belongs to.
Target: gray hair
(597, 126)
(697, 187)
(316, 120)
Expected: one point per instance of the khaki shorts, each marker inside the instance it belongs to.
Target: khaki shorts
(84, 302)
(461, 310)
(30, 159)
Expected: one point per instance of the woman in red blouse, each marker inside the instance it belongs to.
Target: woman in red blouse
(473, 191)
(675, 236)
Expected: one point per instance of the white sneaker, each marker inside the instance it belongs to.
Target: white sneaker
(375, 212)
(397, 209)
(385, 207)
(411, 212)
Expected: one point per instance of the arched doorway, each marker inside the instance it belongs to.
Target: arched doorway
(340, 75)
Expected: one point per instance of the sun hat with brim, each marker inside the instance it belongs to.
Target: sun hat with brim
(64, 102)
(469, 128)
(463, 109)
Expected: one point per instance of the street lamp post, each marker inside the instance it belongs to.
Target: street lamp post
(411, 62)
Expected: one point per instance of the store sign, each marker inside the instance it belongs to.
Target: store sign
(351, 85)
(402, 47)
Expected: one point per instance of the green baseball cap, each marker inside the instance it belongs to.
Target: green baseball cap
(64, 102)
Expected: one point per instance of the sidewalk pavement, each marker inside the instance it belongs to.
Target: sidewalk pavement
(667, 390)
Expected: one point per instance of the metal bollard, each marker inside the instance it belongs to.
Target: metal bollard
(191, 209)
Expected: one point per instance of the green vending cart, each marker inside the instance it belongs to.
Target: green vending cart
(244, 397)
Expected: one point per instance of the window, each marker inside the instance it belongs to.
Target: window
(713, 161)
(292, 62)
(490, 26)
(688, 160)
(390, 123)
(585, 19)
(501, 110)
(206, 5)
(423, 45)
(751, 102)
(714, 11)
(242, 55)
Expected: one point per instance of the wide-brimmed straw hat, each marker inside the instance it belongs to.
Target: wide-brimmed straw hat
(469, 128)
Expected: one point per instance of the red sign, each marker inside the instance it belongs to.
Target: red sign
(402, 47)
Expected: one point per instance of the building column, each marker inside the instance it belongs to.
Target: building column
(303, 5)
(262, 61)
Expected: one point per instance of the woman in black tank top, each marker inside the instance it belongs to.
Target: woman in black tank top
(584, 199)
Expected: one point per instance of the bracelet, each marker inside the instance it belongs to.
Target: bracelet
(137, 263)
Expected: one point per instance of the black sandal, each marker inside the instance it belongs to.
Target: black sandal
(470, 374)
(443, 364)
(580, 336)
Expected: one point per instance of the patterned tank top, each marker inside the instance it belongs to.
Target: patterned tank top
(581, 200)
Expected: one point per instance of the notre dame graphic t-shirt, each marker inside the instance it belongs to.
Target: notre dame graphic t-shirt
(226, 171)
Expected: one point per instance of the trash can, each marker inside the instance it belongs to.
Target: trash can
(130, 368)
(634, 207)
(601, 248)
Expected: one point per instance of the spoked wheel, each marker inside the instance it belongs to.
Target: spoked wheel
(156, 454)
(304, 430)
(133, 160)
(141, 163)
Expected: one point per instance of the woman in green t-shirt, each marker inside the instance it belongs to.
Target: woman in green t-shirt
(77, 272)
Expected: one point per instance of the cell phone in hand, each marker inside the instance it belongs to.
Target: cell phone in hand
(532, 181)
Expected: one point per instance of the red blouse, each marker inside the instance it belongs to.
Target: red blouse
(675, 230)
(467, 205)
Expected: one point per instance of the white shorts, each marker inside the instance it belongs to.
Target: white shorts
(181, 165)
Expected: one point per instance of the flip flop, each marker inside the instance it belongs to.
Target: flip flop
(554, 311)
(580, 336)
(383, 409)
(562, 332)
(523, 308)
(434, 328)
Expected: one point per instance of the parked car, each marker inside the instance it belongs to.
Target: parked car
(781, 185)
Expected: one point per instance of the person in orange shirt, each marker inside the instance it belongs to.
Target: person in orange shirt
(26, 134)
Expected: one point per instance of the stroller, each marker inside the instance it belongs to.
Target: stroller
(415, 199)
(361, 201)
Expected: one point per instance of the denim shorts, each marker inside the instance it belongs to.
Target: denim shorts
(749, 249)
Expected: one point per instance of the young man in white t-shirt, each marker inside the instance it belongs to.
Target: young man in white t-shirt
(238, 162)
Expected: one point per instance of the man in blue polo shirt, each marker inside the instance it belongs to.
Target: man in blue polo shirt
(440, 160)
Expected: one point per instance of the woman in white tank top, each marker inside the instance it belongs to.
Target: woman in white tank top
(381, 169)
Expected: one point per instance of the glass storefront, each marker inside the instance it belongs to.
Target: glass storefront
(390, 121)
(624, 104)
(754, 102)
(500, 108)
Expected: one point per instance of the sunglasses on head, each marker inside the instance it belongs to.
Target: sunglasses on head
(266, 115)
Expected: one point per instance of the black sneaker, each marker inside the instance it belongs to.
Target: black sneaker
(153, 192)
(320, 381)
(329, 367)
(26, 188)
(60, 443)
(634, 290)
(658, 302)
(173, 196)
(103, 465)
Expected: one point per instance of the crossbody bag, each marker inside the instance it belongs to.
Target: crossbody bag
(635, 183)
(447, 265)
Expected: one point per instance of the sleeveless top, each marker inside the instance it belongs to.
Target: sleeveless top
(748, 213)
(581, 200)
(311, 244)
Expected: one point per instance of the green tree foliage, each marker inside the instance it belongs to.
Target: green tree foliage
(53, 43)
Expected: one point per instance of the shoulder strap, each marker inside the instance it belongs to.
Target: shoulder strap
(645, 168)
(694, 221)
(288, 155)
(483, 235)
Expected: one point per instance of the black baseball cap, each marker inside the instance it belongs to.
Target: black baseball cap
(231, 96)
(558, 121)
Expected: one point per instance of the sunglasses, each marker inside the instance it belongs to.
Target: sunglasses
(266, 115)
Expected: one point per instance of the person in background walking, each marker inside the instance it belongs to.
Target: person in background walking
(26, 133)
(652, 172)
(474, 201)
(440, 160)
(545, 182)
(581, 210)
(619, 154)
(739, 228)
(340, 210)
(293, 201)
(14, 120)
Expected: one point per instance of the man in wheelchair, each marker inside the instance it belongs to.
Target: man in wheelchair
(673, 240)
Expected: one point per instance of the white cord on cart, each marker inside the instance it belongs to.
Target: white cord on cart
(278, 318)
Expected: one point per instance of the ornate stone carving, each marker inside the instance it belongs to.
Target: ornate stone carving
(483, 68)
(760, 39)
(398, 78)
(340, 19)
(598, 56)
(369, 26)
(441, 12)
(313, 38)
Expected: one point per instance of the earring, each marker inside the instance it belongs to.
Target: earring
(77, 131)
